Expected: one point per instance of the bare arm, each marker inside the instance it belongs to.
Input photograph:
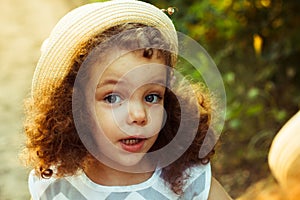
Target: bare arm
(217, 192)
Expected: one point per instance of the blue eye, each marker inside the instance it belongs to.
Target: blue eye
(113, 98)
(153, 98)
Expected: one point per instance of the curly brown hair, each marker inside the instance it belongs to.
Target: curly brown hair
(52, 139)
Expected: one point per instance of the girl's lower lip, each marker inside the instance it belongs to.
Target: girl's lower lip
(134, 148)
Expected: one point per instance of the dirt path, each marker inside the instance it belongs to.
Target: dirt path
(24, 25)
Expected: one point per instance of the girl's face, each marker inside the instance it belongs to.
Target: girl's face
(129, 106)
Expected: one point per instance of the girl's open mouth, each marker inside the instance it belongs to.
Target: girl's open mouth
(132, 144)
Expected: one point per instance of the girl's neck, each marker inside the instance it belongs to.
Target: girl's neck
(104, 175)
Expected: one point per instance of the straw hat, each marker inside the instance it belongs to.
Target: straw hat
(63, 44)
(284, 156)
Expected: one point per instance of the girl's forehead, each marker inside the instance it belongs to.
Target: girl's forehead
(120, 61)
(134, 67)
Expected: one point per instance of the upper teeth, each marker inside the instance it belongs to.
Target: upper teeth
(130, 141)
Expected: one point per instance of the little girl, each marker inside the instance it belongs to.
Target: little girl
(105, 112)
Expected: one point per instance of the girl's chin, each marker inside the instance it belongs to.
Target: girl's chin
(121, 159)
(128, 165)
(130, 160)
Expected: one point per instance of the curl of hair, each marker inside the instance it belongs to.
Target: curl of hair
(175, 174)
(53, 145)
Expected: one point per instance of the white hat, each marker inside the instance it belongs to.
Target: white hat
(79, 25)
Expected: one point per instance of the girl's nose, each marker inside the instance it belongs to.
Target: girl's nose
(137, 113)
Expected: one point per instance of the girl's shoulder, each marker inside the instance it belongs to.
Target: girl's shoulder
(217, 191)
(198, 183)
(54, 188)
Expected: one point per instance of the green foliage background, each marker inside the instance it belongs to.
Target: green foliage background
(263, 88)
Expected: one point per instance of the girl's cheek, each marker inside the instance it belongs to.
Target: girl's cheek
(118, 113)
(157, 116)
(157, 110)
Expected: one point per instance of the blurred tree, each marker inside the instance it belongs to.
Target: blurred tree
(256, 45)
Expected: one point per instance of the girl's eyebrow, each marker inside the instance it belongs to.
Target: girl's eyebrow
(109, 82)
(158, 81)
